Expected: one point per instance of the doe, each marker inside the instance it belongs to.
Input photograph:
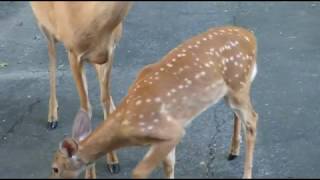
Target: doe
(89, 31)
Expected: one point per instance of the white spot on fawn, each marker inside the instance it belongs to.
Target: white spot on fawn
(188, 81)
(138, 102)
(169, 119)
(141, 123)
(125, 122)
(169, 65)
(157, 99)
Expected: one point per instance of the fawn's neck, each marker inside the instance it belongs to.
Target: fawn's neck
(105, 138)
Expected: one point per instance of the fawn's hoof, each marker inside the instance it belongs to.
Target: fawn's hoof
(52, 125)
(113, 168)
(232, 157)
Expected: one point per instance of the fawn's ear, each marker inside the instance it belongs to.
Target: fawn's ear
(81, 125)
(69, 147)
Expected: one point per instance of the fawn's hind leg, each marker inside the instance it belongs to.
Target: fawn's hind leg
(240, 102)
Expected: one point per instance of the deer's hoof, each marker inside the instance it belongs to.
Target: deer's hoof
(232, 157)
(52, 125)
(113, 168)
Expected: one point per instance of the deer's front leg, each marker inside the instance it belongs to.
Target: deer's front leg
(53, 102)
(79, 76)
(103, 73)
(81, 83)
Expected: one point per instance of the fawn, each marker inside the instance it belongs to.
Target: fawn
(89, 32)
(165, 97)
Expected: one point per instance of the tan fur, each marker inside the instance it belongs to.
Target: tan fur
(89, 32)
(169, 94)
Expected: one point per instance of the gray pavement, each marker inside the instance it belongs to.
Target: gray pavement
(285, 91)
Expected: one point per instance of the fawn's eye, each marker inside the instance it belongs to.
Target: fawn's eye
(55, 170)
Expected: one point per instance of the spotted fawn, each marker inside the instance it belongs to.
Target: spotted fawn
(165, 97)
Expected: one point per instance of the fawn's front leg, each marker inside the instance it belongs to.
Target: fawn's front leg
(157, 153)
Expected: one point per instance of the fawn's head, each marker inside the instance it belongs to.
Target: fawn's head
(66, 161)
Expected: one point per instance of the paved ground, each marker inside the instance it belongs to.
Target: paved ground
(285, 92)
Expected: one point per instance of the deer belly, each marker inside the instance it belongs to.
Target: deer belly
(189, 107)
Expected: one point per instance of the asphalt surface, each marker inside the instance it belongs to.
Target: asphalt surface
(285, 91)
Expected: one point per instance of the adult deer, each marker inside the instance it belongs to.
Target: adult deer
(168, 95)
(89, 32)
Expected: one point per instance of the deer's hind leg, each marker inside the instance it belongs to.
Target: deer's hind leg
(234, 149)
(240, 102)
(169, 164)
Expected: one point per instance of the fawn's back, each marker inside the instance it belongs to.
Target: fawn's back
(190, 78)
